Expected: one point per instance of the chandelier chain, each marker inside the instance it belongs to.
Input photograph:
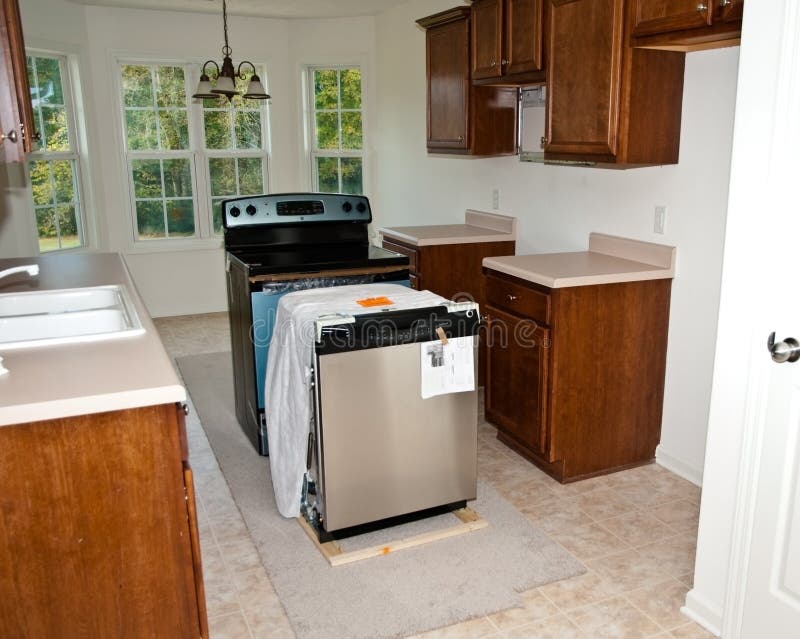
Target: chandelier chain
(226, 50)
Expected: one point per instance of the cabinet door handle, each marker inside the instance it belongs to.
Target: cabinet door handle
(511, 298)
(504, 62)
(493, 64)
(460, 138)
(702, 6)
(11, 136)
(543, 141)
(724, 3)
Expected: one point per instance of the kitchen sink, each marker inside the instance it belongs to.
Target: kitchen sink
(39, 318)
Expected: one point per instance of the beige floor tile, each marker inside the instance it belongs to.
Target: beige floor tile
(231, 626)
(604, 504)
(222, 598)
(637, 528)
(556, 515)
(643, 494)
(580, 591)
(240, 556)
(626, 570)
(614, 618)
(525, 492)
(558, 627)
(676, 487)
(269, 621)
(682, 515)
(535, 606)
(675, 555)
(590, 541)
(473, 629)
(692, 631)
(687, 579)
(255, 589)
(230, 530)
(661, 602)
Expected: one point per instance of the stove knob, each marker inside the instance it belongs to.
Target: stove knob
(251, 210)
(347, 207)
(361, 207)
(235, 212)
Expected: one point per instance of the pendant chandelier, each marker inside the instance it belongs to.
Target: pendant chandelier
(226, 77)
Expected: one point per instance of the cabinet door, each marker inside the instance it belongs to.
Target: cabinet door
(487, 39)
(523, 36)
(584, 75)
(16, 112)
(517, 368)
(448, 85)
(671, 15)
(730, 11)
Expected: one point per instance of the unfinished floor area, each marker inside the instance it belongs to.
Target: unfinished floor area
(634, 530)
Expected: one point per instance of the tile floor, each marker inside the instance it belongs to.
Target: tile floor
(635, 531)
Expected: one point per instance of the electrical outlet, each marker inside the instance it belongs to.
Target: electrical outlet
(660, 219)
(495, 198)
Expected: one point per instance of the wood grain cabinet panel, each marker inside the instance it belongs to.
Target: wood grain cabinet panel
(608, 103)
(16, 111)
(507, 42)
(462, 118)
(582, 394)
(686, 25)
(98, 529)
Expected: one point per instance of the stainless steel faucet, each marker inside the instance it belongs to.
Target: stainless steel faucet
(30, 269)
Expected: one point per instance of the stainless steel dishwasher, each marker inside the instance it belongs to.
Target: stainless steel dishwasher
(378, 451)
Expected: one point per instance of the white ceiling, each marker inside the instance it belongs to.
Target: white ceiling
(262, 8)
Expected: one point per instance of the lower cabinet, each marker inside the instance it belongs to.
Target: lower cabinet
(575, 376)
(98, 528)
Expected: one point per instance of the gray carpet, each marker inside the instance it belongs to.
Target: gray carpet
(395, 595)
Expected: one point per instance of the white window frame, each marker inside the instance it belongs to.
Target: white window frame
(311, 125)
(75, 154)
(204, 236)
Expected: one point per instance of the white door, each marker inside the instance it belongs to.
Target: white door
(770, 605)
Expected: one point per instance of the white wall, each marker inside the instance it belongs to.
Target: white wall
(558, 206)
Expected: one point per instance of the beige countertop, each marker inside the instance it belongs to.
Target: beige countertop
(609, 259)
(47, 382)
(478, 226)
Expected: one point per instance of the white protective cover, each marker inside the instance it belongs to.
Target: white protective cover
(288, 405)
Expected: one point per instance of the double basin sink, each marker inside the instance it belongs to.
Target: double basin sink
(63, 316)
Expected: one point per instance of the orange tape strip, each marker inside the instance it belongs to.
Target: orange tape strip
(374, 301)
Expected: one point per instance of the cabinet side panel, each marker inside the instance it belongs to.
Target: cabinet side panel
(609, 359)
(94, 534)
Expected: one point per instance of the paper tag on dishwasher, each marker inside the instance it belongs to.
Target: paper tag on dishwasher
(374, 301)
(447, 368)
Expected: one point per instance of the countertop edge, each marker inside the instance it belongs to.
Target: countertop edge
(472, 239)
(580, 280)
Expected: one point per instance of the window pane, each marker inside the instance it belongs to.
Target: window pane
(141, 130)
(351, 130)
(351, 176)
(223, 176)
(248, 130)
(68, 226)
(41, 187)
(218, 129)
(177, 178)
(351, 88)
(328, 175)
(251, 176)
(46, 227)
(171, 87)
(174, 130)
(326, 94)
(150, 219)
(55, 135)
(63, 180)
(137, 86)
(147, 178)
(180, 217)
(327, 131)
(46, 87)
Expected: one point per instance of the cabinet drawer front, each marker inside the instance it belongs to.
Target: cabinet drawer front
(518, 299)
(670, 15)
(409, 252)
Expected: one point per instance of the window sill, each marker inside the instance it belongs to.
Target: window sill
(174, 246)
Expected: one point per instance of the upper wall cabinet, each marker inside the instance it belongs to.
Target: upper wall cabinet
(16, 112)
(686, 25)
(463, 118)
(608, 103)
(507, 41)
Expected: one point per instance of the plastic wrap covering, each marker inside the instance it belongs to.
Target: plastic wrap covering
(279, 288)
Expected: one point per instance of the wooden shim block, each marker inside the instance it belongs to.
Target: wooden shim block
(471, 521)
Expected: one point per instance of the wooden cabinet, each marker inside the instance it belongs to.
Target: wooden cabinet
(686, 25)
(507, 41)
(575, 376)
(608, 103)
(16, 113)
(462, 118)
(98, 528)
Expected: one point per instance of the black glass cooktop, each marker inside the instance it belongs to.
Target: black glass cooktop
(296, 259)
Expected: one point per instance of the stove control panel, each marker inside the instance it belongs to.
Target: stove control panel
(295, 208)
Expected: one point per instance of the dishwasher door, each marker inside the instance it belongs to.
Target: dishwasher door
(383, 451)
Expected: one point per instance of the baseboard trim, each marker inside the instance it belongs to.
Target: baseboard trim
(679, 467)
(701, 611)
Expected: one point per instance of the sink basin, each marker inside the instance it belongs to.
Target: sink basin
(63, 316)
